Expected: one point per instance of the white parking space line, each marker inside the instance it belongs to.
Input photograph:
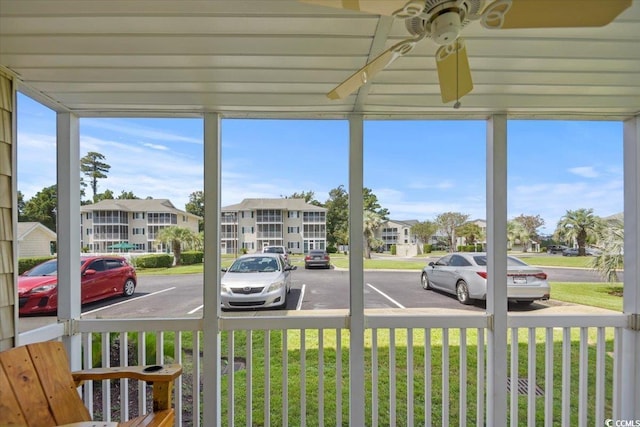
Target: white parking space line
(127, 301)
(196, 309)
(299, 306)
(386, 296)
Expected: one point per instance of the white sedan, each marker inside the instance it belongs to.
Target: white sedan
(465, 275)
(256, 281)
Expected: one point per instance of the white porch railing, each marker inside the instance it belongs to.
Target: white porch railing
(421, 369)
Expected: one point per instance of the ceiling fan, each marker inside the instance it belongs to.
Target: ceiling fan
(444, 20)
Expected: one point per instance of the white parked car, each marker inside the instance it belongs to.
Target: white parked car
(465, 275)
(276, 250)
(256, 281)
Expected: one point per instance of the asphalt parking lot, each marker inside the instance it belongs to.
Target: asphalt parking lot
(181, 296)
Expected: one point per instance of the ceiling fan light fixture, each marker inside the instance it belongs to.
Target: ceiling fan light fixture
(445, 28)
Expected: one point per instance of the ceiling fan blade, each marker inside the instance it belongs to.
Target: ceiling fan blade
(400, 8)
(366, 73)
(454, 73)
(551, 13)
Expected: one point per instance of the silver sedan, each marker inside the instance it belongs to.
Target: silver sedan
(256, 281)
(465, 275)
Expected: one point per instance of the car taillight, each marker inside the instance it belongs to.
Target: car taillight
(482, 274)
(326, 257)
(541, 276)
(307, 258)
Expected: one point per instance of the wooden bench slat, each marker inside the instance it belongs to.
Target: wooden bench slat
(26, 387)
(10, 412)
(51, 362)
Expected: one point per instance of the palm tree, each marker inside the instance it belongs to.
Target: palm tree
(516, 233)
(579, 225)
(611, 244)
(371, 222)
(176, 237)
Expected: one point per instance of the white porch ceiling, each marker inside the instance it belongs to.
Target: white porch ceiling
(278, 58)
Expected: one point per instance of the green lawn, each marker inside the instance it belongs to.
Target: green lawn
(603, 295)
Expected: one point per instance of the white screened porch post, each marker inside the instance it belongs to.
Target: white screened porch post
(630, 396)
(356, 273)
(497, 271)
(68, 230)
(211, 289)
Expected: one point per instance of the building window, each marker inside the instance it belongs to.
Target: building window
(89, 215)
(184, 218)
(138, 230)
(89, 231)
(313, 217)
(293, 230)
(293, 214)
(162, 218)
(138, 215)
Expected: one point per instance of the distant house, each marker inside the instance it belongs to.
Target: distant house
(35, 240)
(133, 221)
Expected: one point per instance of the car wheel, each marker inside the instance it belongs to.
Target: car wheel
(424, 281)
(462, 292)
(129, 288)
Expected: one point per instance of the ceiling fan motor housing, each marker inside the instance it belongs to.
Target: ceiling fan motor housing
(445, 27)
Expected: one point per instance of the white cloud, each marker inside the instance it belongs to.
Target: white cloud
(129, 128)
(156, 146)
(585, 171)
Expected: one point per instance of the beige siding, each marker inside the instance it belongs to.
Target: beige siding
(7, 292)
(35, 244)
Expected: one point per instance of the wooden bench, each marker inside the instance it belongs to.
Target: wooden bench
(37, 388)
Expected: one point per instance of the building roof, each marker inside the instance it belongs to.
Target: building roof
(282, 203)
(25, 228)
(404, 222)
(135, 205)
(279, 58)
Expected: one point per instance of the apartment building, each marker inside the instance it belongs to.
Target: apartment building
(130, 224)
(394, 232)
(255, 223)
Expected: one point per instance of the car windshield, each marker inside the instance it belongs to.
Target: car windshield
(46, 269)
(511, 262)
(273, 250)
(254, 265)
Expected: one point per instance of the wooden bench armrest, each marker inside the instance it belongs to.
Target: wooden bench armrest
(162, 379)
(167, 373)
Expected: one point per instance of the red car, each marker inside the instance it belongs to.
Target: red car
(101, 277)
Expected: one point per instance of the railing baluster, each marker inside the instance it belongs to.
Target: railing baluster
(481, 379)
(548, 378)
(177, 358)
(142, 360)
(531, 379)
(582, 379)
(410, 411)
(427, 378)
(600, 373)
(285, 376)
(249, 377)
(392, 377)
(231, 410)
(374, 378)
(87, 389)
(195, 382)
(106, 384)
(321, 377)
(566, 377)
(303, 378)
(617, 373)
(445, 376)
(338, 377)
(463, 377)
(513, 379)
(267, 379)
(124, 383)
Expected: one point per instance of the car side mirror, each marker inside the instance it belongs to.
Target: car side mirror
(290, 267)
(431, 264)
(224, 269)
(89, 272)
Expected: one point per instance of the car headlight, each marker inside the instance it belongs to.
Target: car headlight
(43, 288)
(275, 286)
(225, 289)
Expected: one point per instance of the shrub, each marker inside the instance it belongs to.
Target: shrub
(394, 250)
(191, 257)
(332, 250)
(154, 261)
(25, 264)
(427, 248)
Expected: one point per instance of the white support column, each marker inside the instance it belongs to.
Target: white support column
(630, 396)
(68, 230)
(497, 271)
(356, 272)
(212, 203)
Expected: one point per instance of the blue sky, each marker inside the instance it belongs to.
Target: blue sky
(417, 169)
